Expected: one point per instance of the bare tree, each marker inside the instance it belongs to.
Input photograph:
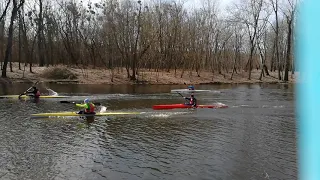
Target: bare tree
(4, 13)
(249, 14)
(238, 38)
(2, 28)
(133, 36)
(289, 18)
(275, 6)
(40, 35)
(7, 57)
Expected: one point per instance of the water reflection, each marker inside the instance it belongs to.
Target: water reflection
(129, 89)
(5, 88)
(254, 137)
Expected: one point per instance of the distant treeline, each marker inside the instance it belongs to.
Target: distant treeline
(159, 35)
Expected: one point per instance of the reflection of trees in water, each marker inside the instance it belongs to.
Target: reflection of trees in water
(103, 88)
(34, 144)
(267, 143)
(282, 141)
(140, 103)
(160, 143)
(147, 133)
(13, 89)
(4, 89)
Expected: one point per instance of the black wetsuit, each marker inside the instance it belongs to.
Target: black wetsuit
(192, 101)
(33, 92)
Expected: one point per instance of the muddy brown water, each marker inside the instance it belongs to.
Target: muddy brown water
(255, 138)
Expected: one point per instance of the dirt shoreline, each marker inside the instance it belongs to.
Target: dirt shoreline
(103, 76)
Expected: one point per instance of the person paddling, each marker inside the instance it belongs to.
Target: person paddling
(192, 101)
(88, 106)
(32, 92)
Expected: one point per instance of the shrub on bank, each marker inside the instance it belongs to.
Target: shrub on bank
(58, 73)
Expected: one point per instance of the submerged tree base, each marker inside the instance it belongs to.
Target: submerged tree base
(144, 76)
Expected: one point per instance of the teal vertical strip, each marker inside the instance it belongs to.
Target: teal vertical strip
(308, 89)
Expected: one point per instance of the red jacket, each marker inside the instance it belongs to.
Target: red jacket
(90, 109)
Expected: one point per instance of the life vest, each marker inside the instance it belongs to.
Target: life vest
(193, 101)
(90, 109)
(37, 94)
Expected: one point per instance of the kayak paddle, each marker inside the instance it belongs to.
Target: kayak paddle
(28, 89)
(33, 85)
(69, 102)
(180, 94)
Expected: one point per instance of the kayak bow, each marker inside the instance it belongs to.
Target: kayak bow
(24, 96)
(75, 114)
(180, 106)
(187, 90)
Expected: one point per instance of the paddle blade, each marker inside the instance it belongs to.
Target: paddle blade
(180, 94)
(67, 102)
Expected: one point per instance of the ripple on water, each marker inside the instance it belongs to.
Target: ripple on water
(255, 138)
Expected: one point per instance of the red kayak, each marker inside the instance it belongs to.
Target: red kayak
(174, 106)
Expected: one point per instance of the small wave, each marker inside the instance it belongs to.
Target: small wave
(268, 106)
(103, 109)
(281, 106)
(237, 106)
(52, 92)
(162, 114)
(214, 91)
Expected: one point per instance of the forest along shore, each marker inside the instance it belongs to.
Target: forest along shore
(77, 75)
(161, 42)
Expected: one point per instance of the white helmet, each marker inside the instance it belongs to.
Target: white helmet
(86, 100)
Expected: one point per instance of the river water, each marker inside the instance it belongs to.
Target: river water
(255, 138)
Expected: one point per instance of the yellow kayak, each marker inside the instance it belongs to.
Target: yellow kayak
(75, 114)
(24, 96)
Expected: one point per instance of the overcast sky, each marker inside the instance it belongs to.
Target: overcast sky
(222, 4)
(193, 3)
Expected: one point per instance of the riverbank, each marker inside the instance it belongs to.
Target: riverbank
(119, 76)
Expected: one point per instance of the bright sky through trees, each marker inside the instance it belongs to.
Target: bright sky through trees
(192, 3)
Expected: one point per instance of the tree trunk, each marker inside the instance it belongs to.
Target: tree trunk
(250, 60)
(286, 75)
(262, 62)
(20, 43)
(277, 39)
(40, 27)
(272, 68)
(5, 11)
(234, 66)
(2, 34)
(11, 70)
(10, 37)
(293, 68)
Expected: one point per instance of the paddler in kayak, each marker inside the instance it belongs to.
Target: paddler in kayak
(88, 107)
(32, 92)
(192, 101)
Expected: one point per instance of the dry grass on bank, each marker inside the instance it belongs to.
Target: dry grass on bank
(59, 74)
